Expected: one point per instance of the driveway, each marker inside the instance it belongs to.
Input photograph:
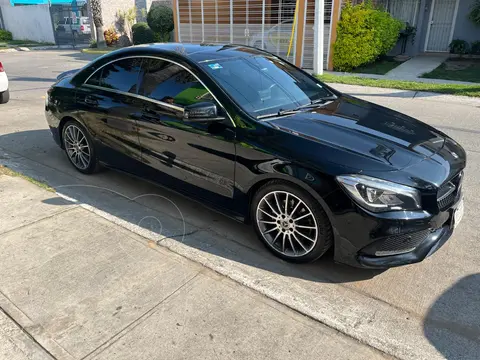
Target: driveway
(427, 310)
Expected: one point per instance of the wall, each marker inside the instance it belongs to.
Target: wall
(32, 22)
(464, 28)
(110, 8)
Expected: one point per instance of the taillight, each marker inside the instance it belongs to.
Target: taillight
(1, 68)
(82, 28)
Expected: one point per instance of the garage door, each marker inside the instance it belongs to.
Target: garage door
(266, 24)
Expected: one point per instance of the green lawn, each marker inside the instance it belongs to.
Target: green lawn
(22, 43)
(457, 69)
(379, 67)
(452, 89)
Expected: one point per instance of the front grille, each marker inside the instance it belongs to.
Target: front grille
(449, 192)
(396, 244)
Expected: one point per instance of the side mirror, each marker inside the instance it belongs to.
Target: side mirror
(202, 111)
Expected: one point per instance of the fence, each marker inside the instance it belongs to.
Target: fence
(266, 24)
(71, 24)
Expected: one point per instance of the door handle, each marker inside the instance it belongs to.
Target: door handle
(90, 100)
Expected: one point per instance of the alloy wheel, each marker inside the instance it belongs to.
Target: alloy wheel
(287, 224)
(77, 147)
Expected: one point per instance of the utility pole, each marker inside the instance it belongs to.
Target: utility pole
(318, 43)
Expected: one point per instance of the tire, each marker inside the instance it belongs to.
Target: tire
(78, 143)
(308, 229)
(4, 97)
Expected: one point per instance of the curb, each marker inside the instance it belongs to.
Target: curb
(49, 47)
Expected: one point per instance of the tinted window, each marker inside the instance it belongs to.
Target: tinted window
(262, 85)
(95, 78)
(121, 75)
(171, 83)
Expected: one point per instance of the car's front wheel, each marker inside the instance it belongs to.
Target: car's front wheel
(79, 147)
(4, 97)
(290, 222)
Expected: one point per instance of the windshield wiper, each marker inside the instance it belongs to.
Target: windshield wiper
(314, 103)
(279, 113)
(318, 102)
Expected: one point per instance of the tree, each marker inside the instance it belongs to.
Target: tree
(125, 21)
(98, 21)
(160, 20)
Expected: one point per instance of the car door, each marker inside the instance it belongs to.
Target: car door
(109, 109)
(194, 157)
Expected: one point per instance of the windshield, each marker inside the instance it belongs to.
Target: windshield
(264, 85)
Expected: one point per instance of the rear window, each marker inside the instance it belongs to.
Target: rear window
(121, 75)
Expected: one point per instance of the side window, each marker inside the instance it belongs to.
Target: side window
(170, 83)
(121, 75)
(95, 78)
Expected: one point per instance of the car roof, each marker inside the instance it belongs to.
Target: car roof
(197, 53)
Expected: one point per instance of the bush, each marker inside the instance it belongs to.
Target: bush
(93, 44)
(142, 34)
(475, 48)
(111, 36)
(364, 33)
(159, 37)
(160, 20)
(5, 35)
(459, 47)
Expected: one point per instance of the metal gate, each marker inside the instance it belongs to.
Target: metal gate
(71, 23)
(266, 24)
(441, 25)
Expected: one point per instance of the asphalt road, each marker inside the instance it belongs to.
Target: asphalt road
(428, 310)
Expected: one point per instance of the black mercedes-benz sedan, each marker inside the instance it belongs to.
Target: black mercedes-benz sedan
(253, 136)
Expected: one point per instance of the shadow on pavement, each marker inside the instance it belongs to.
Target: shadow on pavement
(31, 79)
(452, 323)
(78, 55)
(155, 212)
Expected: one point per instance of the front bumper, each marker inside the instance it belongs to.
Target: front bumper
(380, 241)
(426, 248)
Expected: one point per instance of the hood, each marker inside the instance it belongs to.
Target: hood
(68, 73)
(364, 136)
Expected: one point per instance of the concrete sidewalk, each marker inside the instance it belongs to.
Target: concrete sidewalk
(411, 70)
(76, 286)
(415, 67)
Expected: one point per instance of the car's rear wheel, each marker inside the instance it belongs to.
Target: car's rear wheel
(290, 222)
(4, 97)
(79, 147)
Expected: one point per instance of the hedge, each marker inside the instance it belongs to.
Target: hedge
(5, 35)
(142, 34)
(363, 34)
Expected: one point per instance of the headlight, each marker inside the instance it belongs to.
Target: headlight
(379, 195)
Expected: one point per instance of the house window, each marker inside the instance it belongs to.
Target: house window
(404, 10)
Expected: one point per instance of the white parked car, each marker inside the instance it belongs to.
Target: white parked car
(77, 26)
(4, 93)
